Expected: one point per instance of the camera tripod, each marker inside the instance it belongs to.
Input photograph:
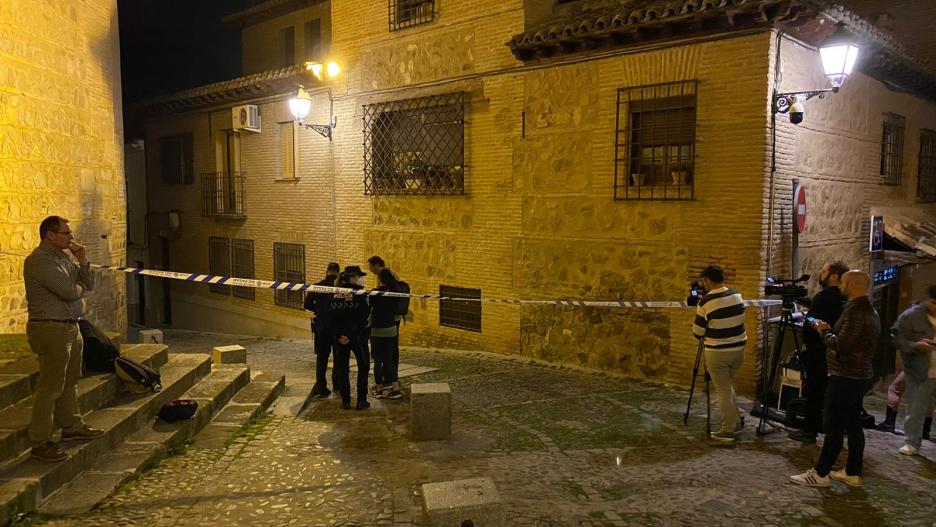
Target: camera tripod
(708, 395)
(773, 361)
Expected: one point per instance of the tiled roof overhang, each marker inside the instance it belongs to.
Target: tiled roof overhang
(646, 21)
(265, 11)
(263, 84)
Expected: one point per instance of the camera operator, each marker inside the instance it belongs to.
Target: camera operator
(850, 344)
(826, 305)
(719, 322)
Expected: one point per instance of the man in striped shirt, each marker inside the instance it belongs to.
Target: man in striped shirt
(720, 323)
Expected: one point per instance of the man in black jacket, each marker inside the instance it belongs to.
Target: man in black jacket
(826, 305)
(318, 304)
(851, 344)
(349, 313)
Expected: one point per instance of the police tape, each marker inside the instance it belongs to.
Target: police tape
(300, 287)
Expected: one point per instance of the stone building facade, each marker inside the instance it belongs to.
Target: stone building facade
(531, 210)
(61, 140)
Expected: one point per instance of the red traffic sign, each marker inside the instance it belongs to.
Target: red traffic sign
(799, 208)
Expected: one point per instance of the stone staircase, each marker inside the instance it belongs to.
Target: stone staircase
(133, 438)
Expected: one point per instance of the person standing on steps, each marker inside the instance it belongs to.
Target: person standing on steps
(55, 286)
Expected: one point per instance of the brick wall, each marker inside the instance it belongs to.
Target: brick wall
(836, 155)
(538, 219)
(262, 44)
(60, 142)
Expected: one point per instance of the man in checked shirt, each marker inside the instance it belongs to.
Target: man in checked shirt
(55, 285)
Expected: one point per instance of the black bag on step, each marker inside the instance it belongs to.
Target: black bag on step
(99, 350)
(178, 410)
(139, 378)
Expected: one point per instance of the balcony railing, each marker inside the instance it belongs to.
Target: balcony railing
(222, 194)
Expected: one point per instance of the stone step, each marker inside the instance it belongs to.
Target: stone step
(25, 485)
(147, 445)
(94, 391)
(18, 378)
(253, 400)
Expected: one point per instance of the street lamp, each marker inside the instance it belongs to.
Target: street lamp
(301, 104)
(838, 60)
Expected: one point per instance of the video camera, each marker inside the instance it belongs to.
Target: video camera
(696, 292)
(788, 289)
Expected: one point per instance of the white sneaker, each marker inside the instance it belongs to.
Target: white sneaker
(840, 475)
(908, 450)
(810, 479)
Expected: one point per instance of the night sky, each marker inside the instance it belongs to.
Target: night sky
(171, 45)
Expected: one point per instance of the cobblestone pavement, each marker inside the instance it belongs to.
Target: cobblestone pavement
(565, 448)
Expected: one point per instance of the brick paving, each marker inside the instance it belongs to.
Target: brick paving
(565, 448)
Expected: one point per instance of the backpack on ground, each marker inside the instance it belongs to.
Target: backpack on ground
(178, 410)
(99, 350)
(139, 378)
(402, 306)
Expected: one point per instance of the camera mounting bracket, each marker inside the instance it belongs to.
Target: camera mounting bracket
(783, 101)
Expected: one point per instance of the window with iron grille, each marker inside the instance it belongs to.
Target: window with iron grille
(408, 13)
(655, 142)
(892, 147)
(415, 146)
(219, 262)
(461, 314)
(176, 165)
(289, 266)
(926, 174)
(242, 266)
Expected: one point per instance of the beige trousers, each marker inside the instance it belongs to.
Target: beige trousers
(723, 367)
(58, 346)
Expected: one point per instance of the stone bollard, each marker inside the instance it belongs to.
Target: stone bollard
(151, 336)
(431, 411)
(450, 503)
(233, 354)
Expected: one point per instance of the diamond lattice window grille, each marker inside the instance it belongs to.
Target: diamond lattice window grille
(415, 146)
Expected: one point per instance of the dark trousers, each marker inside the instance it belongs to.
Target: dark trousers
(386, 367)
(324, 343)
(342, 381)
(817, 378)
(842, 413)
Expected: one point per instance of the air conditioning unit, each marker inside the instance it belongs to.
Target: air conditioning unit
(246, 117)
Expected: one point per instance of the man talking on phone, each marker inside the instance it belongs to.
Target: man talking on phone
(55, 286)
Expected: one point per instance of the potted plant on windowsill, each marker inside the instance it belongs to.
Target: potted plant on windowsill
(680, 177)
(638, 179)
(417, 170)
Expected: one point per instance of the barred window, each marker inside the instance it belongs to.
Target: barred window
(926, 174)
(408, 13)
(176, 166)
(892, 147)
(289, 266)
(242, 266)
(461, 314)
(219, 262)
(655, 142)
(415, 146)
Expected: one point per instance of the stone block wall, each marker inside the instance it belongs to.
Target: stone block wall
(61, 139)
(836, 155)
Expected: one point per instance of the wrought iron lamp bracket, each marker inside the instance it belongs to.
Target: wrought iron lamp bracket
(783, 101)
(325, 130)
